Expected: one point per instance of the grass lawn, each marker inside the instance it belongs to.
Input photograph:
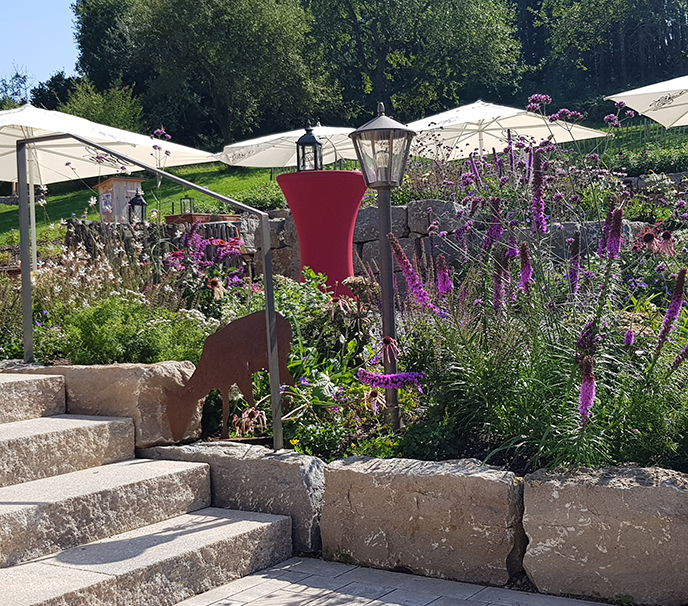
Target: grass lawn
(229, 181)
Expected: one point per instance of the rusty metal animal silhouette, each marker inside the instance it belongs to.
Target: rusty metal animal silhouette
(230, 356)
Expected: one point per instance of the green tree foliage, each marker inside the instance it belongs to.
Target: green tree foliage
(417, 55)
(14, 90)
(116, 107)
(53, 92)
(607, 45)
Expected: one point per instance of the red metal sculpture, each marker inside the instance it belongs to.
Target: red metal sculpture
(230, 356)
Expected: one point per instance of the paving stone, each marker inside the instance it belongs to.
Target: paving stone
(26, 397)
(47, 515)
(164, 563)
(49, 446)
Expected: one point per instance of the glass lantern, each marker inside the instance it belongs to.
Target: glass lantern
(309, 152)
(137, 208)
(382, 146)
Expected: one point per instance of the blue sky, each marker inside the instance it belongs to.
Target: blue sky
(38, 38)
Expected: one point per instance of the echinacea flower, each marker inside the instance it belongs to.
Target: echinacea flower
(666, 246)
(218, 290)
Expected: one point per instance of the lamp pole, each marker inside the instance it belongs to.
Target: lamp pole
(382, 146)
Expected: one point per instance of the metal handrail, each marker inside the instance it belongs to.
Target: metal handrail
(25, 256)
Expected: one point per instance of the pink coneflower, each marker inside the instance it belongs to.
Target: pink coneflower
(587, 390)
(218, 290)
(673, 310)
(666, 246)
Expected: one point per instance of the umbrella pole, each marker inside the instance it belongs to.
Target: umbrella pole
(25, 252)
(32, 210)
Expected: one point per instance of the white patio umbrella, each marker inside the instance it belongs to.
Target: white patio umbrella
(279, 150)
(457, 133)
(665, 102)
(68, 159)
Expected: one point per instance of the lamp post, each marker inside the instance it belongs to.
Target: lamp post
(382, 146)
(309, 152)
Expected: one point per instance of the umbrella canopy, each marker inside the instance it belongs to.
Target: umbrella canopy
(279, 150)
(67, 159)
(457, 133)
(665, 102)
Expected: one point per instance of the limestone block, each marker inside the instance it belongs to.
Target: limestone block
(127, 390)
(30, 397)
(457, 520)
(371, 251)
(419, 218)
(253, 478)
(248, 226)
(291, 236)
(50, 446)
(276, 233)
(609, 533)
(286, 261)
(367, 225)
(44, 516)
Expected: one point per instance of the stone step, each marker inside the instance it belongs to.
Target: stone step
(159, 565)
(31, 396)
(50, 446)
(45, 516)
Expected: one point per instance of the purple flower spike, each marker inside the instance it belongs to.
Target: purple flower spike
(526, 266)
(587, 390)
(574, 263)
(673, 310)
(392, 381)
(614, 239)
(444, 281)
(629, 338)
(538, 202)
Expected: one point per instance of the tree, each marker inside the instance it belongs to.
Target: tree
(14, 90)
(416, 55)
(53, 92)
(606, 45)
(234, 64)
(115, 107)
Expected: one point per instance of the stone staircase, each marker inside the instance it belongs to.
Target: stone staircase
(83, 522)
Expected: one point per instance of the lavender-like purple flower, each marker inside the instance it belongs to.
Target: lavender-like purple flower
(500, 275)
(587, 390)
(673, 310)
(444, 281)
(680, 358)
(414, 283)
(614, 239)
(574, 263)
(629, 338)
(391, 381)
(602, 246)
(476, 174)
(538, 202)
(587, 340)
(526, 266)
(496, 229)
(539, 98)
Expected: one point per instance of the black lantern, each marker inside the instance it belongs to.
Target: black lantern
(382, 146)
(137, 208)
(309, 151)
